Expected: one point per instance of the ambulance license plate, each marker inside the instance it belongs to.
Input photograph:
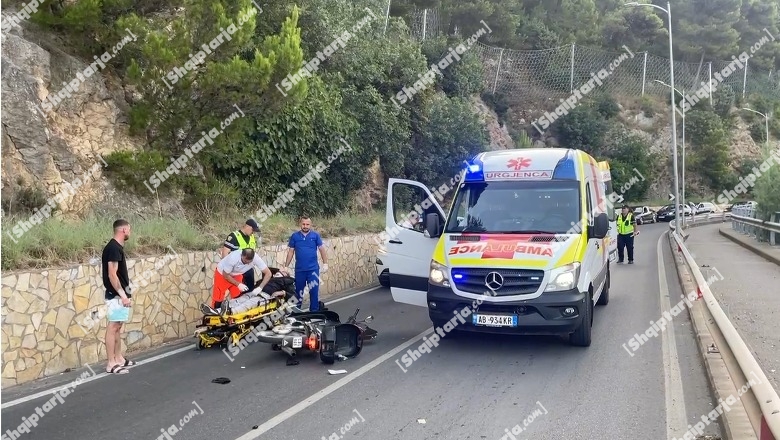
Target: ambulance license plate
(495, 320)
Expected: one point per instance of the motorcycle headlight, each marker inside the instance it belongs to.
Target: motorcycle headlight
(564, 278)
(438, 275)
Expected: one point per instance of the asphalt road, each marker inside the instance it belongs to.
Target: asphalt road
(470, 387)
(749, 292)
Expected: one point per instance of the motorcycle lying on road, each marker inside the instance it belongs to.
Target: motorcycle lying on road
(319, 331)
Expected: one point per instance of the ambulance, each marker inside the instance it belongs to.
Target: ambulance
(522, 250)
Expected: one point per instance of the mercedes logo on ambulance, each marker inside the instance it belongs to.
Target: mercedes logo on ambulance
(494, 280)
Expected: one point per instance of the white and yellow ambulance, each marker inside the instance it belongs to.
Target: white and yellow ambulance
(525, 235)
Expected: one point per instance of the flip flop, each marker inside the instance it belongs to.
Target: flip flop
(118, 369)
(128, 363)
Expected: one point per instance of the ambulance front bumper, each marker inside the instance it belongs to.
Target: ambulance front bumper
(558, 313)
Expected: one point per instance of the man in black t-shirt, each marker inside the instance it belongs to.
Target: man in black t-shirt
(118, 293)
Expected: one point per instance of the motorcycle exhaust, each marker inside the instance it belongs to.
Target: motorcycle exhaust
(290, 352)
(270, 337)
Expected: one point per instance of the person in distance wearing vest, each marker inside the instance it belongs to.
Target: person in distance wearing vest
(626, 229)
(243, 238)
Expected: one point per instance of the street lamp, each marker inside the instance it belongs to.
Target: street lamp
(682, 94)
(766, 120)
(668, 11)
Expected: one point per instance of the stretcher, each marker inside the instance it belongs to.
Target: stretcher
(238, 317)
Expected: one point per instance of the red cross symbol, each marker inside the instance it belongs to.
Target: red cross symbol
(519, 163)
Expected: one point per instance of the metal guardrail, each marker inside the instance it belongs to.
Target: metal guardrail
(709, 217)
(743, 220)
(766, 395)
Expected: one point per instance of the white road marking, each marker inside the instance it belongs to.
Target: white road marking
(676, 415)
(51, 391)
(302, 405)
(56, 389)
(353, 295)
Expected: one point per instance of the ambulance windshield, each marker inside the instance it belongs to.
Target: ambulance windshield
(516, 207)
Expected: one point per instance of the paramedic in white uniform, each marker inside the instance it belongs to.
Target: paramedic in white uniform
(229, 274)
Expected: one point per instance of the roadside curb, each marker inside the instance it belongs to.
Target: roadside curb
(746, 243)
(735, 422)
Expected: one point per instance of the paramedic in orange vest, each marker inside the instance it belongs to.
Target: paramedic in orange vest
(230, 272)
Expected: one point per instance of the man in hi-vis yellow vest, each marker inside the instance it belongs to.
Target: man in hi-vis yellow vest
(242, 239)
(626, 229)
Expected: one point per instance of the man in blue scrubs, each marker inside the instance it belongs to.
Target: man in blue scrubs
(304, 245)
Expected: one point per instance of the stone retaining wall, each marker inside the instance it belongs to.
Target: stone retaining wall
(55, 319)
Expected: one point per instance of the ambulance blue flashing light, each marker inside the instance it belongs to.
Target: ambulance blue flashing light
(565, 169)
(474, 171)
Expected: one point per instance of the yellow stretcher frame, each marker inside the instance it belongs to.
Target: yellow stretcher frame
(236, 326)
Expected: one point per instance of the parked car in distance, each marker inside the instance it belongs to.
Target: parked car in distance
(662, 215)
(644, 214)
(666, 213)
(705, 208)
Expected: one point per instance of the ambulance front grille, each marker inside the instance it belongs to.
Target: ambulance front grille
(516, 281)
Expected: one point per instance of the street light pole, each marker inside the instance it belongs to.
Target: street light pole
(683, 157)
(668, 11)
(682, 94)
(766, 122)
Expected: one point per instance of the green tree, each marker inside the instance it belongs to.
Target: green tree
(706, 27)
(584, 128)
(710, 152)
(767, 188)
(448, 133)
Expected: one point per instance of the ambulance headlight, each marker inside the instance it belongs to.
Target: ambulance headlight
(438, 274)
(564, 278)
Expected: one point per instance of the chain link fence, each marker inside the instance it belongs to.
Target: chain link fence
(555, 73)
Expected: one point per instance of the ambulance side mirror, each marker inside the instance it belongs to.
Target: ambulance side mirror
(600, 226)
(432, 225)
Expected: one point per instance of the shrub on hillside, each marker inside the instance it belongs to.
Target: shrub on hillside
(767, 189)
(710, 152)
(583, 128)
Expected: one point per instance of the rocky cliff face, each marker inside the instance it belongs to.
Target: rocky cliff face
(63, 146)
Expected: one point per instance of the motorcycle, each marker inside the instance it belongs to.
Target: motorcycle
(369, 334)
(319, 331)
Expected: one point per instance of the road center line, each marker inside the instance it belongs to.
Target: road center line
(676, 414)
(302, 405)
(56, 389)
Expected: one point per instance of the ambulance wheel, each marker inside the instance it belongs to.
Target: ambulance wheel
(582, 336)
(604, 298)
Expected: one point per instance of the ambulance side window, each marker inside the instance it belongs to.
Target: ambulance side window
(407, 200)
(461, 213)
(589, 204)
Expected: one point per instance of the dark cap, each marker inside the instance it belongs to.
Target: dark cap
(625, 207)
(251, 222)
